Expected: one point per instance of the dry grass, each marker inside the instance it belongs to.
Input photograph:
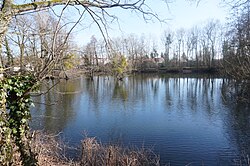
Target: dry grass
(48, 151)
(51, 152)
(94, 153)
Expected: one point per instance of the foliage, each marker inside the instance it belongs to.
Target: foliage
(69, 61)
(119, 66)
(14, 117)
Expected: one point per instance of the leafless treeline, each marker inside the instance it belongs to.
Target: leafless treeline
(35, 42)
(198, 47)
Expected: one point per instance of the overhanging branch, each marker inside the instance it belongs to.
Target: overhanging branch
(136, 5)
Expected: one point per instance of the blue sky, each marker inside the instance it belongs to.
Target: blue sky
(178, 14)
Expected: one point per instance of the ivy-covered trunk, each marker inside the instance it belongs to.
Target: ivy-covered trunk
(5, 132)
(15, 136)
(5, 18)
(14, 128)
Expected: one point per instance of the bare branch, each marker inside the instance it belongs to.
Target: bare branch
(93, 15)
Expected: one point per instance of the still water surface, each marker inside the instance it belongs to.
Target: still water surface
(184, 120)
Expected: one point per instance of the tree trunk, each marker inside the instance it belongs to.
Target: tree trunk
(5, 18)
(21, 56)
(4, 23)
(10, 59)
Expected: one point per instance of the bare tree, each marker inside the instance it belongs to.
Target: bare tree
(189, 45)
(194, 43)
(180, 41)
(211, 32)
(167, 41)
(19, 34)
(236, 48)
(90, 53)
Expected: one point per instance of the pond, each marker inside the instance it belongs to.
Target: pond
(183, 119)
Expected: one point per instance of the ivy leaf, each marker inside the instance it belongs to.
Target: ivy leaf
(23, 120)
(14, 130)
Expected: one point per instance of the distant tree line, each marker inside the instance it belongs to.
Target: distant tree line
(199, 47)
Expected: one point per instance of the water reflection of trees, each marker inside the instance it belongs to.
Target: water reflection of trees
(237, 91)
(55, 109)
(98, 90)
(178, 92)
(237, 121)
(140, 87)
(181, 93)
(191, 93)
(120, 91)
